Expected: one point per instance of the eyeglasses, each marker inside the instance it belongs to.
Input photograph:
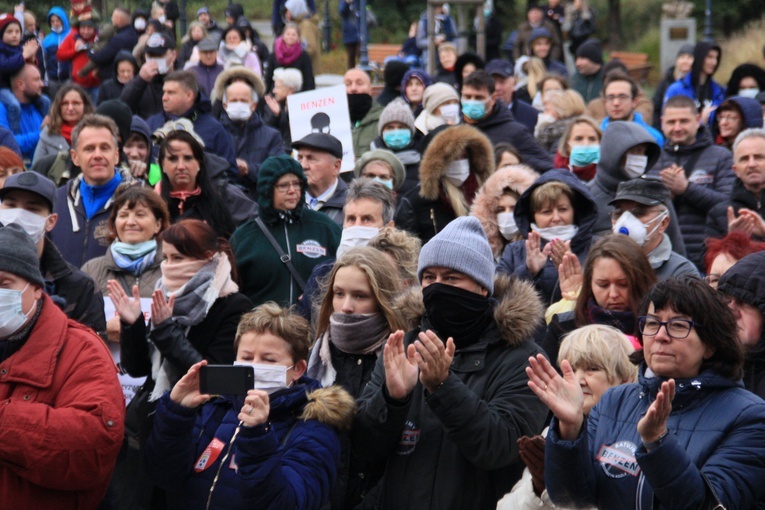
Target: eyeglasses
(676, 328)
(728, 118)
(285, 186)
(621, 97)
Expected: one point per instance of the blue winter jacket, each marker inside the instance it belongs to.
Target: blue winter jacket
(11, 60)
(349, 12)
(290, 464)
(715, 428)
(28, 133)
(59, 71)
(8, 140)
(513, 259)
(683, 87)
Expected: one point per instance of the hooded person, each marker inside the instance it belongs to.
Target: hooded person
(495, 203)
(454, 166)
(58, 72)
(125, 69)
(744, 284)
(309, 237)
(396, 133)
(698, 84)
(138, 149)
(392, 75)
(448, 437)
(733, 116)
(563, 193)
(412, 91)
(553, 66)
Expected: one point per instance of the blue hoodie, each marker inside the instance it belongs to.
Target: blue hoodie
(58, 71)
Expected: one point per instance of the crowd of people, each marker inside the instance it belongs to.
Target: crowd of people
(537, 287)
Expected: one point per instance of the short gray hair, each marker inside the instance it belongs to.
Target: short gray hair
(364, 187)
(748, 133)
(290, 77)
(95, 121)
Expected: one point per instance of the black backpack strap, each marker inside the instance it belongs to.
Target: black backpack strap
(282, 256)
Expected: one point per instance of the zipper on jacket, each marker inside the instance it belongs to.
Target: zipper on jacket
(433, 220)
(289, 254)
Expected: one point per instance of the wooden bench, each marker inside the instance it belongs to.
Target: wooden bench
(637, 64)
(379, 52)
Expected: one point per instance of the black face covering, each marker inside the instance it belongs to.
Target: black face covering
(358, 106)
(454, 312)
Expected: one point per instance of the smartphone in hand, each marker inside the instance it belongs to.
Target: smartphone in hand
(226, 380)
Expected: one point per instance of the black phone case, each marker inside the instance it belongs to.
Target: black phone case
(226, 380)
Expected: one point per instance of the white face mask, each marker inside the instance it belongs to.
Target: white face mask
(458, 171)
(750, 93)
(450, 113)
(269, 378)
(32, 224)
(629, 225)
(12, 316)
(139, 24)
(635, 165)
(506, 224)
(162, 67)
(238, 111)
(562, 232)
(352, 237)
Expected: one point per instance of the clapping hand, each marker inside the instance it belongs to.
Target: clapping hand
(161, 308)
(128, 309)
(563, 395)
(653, 424)
(535, 258)
(400, 371)
(556, 249)
(532, 452)
(433, 359)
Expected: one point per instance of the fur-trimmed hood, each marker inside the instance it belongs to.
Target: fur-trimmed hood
(518, 310)
(448, 146)
(332, 406)
(516, 177)
(237, 73)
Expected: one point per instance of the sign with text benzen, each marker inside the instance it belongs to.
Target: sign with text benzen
(324, 110)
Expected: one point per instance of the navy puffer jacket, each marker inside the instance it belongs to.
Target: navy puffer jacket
(715, 428)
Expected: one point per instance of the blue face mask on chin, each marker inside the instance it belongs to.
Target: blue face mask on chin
(397, 138)
(473, 109)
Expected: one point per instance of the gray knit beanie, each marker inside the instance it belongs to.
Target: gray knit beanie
(462, 246)
(396, 111)
(18, 254)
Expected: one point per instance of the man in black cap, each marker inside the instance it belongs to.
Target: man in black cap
(143, 94)
(504, 90)
(588, 77)
(321, 155)
(640, 211)
(208, 68)
(27, 199)
(214, 32)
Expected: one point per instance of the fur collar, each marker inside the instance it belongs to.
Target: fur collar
(518, 312)
(448, 146)
(332, 406)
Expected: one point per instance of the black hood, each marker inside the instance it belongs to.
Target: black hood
(745, 281)
(618, 138)
(125, 56)
(700, 53)
(741, 72)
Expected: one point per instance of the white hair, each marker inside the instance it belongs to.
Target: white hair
(290, 77)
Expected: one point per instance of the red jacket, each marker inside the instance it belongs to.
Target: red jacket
(66, 51)
(61, 417)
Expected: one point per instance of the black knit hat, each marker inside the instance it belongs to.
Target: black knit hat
(591, 50)
(18, 254)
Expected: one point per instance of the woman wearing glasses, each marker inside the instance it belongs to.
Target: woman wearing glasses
(685, 436)
(305, 238)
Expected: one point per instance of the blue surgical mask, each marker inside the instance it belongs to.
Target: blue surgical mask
(135, 250)
(397, 138)
(487, 12)
(473, 109)
(12, 316)
(583, 155)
